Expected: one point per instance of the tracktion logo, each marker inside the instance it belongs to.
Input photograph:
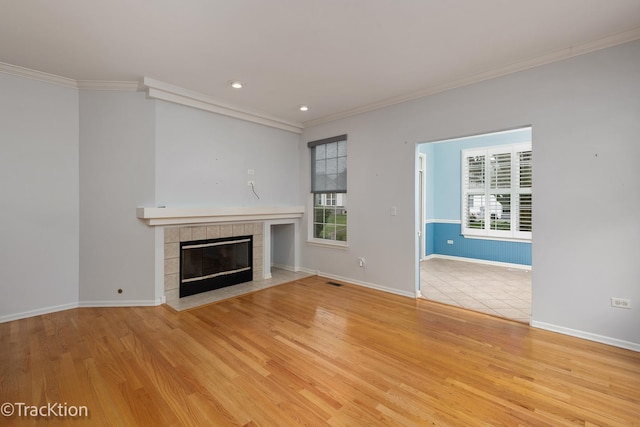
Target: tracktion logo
(50, 410)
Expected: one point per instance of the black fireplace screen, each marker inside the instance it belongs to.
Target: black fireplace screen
(212, 264)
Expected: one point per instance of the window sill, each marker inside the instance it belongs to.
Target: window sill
(328, 244)
(501, 239)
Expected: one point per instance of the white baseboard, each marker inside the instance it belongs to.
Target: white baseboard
(62, 307)
(410, 294)
(586, 335)
(37, 312)
(479, 261)
(283, 267)
(120, 303)
(308, 271)
(293, 269)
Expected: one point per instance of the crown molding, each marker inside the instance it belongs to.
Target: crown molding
(123, 86)
(570, 52)
(168, 92)
(27, 73)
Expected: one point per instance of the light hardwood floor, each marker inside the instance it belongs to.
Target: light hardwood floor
(309, 353)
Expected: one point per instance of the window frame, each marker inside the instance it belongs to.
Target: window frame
(490, 193)
(327, 193)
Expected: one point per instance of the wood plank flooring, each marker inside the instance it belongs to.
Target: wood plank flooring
(309, 353)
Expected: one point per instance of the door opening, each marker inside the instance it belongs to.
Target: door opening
(465, 251)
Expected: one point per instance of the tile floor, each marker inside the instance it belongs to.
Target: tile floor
(500, 291)
(279, 276)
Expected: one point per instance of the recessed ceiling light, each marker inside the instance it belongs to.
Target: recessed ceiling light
(304, 108)
(236, 84)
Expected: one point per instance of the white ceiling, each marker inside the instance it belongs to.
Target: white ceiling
(337, 56)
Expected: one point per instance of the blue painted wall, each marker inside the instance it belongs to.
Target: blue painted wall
(444, 197)
(490, 250)
(430, 229)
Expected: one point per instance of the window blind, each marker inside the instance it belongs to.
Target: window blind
(329, 165)
(496, 191)
(524, 197)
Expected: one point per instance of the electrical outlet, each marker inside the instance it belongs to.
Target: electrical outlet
(251, 183)
(449, 242)
(620, 303)
(251, 172)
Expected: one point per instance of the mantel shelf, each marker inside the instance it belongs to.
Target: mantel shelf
(199, 215)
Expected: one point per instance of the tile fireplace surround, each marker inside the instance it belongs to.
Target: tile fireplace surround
(174, 235)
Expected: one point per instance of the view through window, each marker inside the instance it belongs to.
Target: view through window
(329, 188)
(496, 191)
(330, 216)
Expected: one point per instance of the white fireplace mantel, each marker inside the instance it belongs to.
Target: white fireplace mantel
(199, 215)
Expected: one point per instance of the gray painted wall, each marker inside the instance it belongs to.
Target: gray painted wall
(117, 173)
(38, 196)
(283, 245)
(585, 114)
(135, 151)
(202, 159)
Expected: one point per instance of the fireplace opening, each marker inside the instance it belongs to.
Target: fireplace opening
(211, 264)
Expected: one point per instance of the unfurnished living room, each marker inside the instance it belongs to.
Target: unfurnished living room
(305, 212)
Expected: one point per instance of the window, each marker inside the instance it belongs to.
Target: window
(496, 191)
(329, 188)
(330, 199)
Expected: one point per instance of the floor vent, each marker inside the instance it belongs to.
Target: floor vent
(333, 284)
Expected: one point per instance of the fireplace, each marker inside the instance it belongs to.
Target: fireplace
(175, 236)
(215, 263)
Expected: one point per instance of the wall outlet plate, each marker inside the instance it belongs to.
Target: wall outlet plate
(620, 303)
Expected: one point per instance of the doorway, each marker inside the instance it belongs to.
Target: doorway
(475, 222)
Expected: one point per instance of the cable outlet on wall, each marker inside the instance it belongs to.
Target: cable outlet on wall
(361, 261)
(251, 183)
(620, 303)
